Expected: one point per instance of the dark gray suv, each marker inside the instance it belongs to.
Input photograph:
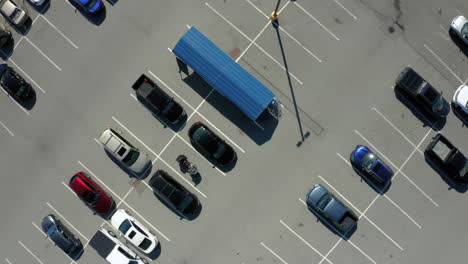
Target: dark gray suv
(61, 236)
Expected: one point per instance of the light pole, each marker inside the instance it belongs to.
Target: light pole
(274, 15)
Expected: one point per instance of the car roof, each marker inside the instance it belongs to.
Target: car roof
(168, 187)
(8, 7)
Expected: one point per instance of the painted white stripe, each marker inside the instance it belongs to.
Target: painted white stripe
(362, 252)
(398, 169)
(398, 130)
(303, 240)
(6, 128)
(260, 48)
(30, 252)
(43, 54)
(349, 12)
(60, 32)
(9, 262)
(316, 20)
(440, 60)
(272, 252)
(61, 216)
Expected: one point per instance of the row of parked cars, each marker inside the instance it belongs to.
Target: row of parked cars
(137, 163)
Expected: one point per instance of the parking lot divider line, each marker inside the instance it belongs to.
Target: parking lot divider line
(167, 86)
(25, 74)
(260, 48)
(272, 252)
(466, 81)
(43, 54)
(65, 254)
(219, 131)
(94, 175)
(398, 130)
(382, 194)
(303, 240)
(6, 128)
(349, 12)
(190, 145)
(17, 43)
(336, 191)
(128, 130)
(30, 252)
(7, 260)
(66, 221)
(399, 169)
(443, 63)
(60, 32)
(316, 20)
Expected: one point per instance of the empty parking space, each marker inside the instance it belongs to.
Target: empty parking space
(343, 252)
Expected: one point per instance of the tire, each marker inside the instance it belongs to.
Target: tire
(112, 234)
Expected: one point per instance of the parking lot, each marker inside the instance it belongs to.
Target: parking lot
(333, 66)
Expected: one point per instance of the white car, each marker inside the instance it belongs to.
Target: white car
(13, 13)
(460, 98)
(459, 25)
(129, 156)
(134, 231)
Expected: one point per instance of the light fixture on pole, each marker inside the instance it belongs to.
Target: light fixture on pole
(274, 15)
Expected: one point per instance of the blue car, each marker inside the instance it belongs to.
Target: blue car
(61, 236)
(365, 160)
(91, 6)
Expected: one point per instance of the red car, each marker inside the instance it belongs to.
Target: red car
(91, 193)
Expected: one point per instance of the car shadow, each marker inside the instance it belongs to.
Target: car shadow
(460, 114)
(156, 251)
(331, 227)
(176, 127)
(130, 173)
(40, 9)
(230, 111)
(95, 19)
(378, 188)
(436, 124)
(461, 188)
(460, 44)
(169, 206)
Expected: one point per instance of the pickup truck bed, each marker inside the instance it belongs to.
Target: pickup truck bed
(102, 244)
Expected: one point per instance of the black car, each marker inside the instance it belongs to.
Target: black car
(14, 84)
(5, 36)
(61, 236)
(211, 145)
(158, 101)
(174, 194)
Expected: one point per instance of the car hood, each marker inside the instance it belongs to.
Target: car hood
(382, 170)
(103, 205)
(62, 242)
(335, 210)
(458, 22)
(141, 163)
(461, 96)
(315, 194)
(359, 153)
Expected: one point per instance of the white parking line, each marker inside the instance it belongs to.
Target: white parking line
(398, 130)
(43, 54)
(386, 197)
(303, 240)
(399, 169)
(30, 252)
(60, 32)
(318, 22)
(465, 81)
(282, 29)
(440, 60)
(6, 128)
(9, 262)
(191, 107)
(42, 232)
(131, 133)
(25, 74)
(256, 45)
(349, 12)
(61, 216)
(341, 239)
(362, 214)
(272, 252)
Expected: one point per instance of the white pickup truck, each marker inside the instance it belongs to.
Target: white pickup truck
(109, 247)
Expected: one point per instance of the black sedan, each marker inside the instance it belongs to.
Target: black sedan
(14, 84)
(211, 145)
(61, 236)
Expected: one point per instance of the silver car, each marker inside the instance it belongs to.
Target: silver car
(459, 25)
(129, 156)
(13, 13)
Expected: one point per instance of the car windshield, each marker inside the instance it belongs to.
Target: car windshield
(131, 157)
(219, 150)
(125, 226)
(14, 13)
(95, 199)
(326, 198)
(464, 170)
(145, 244)
(464, 29)
(90, 4)
(368, 160)
(438, 104)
